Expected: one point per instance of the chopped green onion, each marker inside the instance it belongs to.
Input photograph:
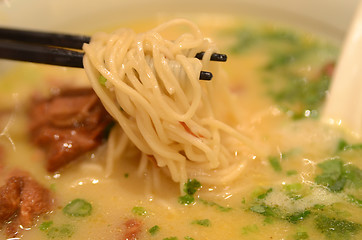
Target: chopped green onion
(299, 216)
(331, 174)
(294, 187)
(334, 228)
(275, 163)
(64, 231)
(140, 211)
(191, 186)
(250, 229)
(355, 200)
(301, 236)
(336, 175)
(78, 208)
(344, 146)
(263, 195)
(291, 172)
(267, 211)
(188, 238)
(102, 80)
(202, 222)
(269, 220)
(186, 199)
(319, 206)
(213, 204)
(45, 225)
(153, 230)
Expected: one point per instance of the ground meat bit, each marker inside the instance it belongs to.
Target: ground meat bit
(132, 229)
(68, 125)
(22, 199)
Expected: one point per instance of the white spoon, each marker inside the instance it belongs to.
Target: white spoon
(344, 102)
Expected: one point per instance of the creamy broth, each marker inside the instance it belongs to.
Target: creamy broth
(277, 79)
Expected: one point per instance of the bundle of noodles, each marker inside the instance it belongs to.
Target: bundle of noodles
(150, 85)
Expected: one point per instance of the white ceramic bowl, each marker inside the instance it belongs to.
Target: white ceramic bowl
(331, 16)
(326, 17)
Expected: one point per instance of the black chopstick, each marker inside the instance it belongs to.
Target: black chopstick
(44, 38)
(40, 54)
(49, 48)
(214, 57)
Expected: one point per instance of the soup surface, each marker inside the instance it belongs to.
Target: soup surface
(306, 184)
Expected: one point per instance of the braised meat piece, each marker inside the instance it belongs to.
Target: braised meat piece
(10, 198)
(22, 199)
(68, 125)
(35, 200)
